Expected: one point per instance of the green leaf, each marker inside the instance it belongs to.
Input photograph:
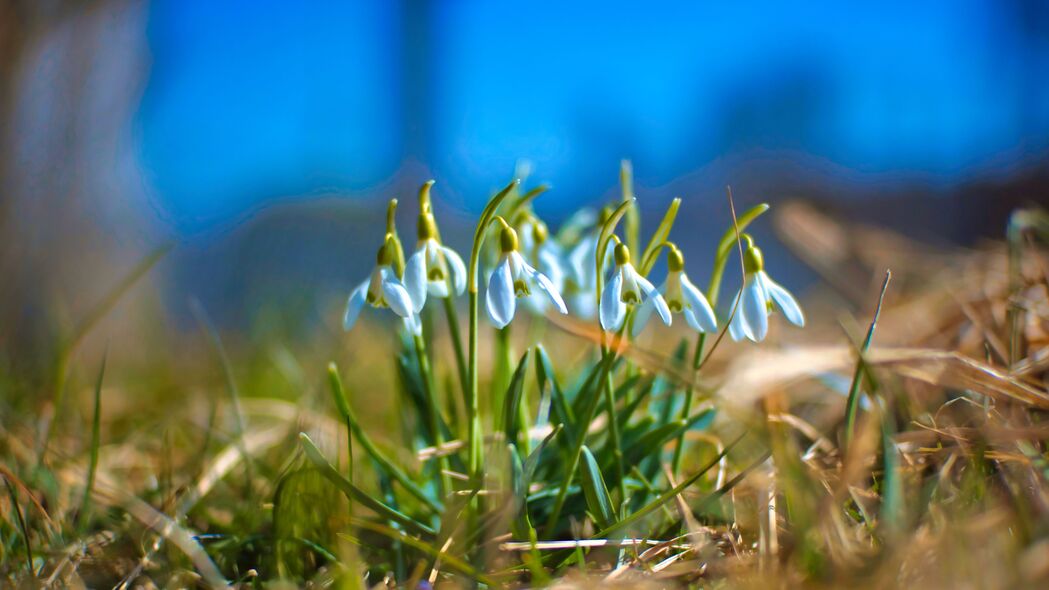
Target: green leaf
(512, 400)
(356, 494)
(369, 447)
(595, 491)
(659, 238)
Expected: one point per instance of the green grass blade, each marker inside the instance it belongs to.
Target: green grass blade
(356, 494)
(395, 472)
(511, 423)
(92, 466)
(22, 527)
(659, 238)
(85, 326)
(852, 404)
(448, 559)
(595, 491)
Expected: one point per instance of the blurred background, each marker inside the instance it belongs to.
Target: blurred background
(262, 138)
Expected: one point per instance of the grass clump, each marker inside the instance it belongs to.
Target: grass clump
(569, 448)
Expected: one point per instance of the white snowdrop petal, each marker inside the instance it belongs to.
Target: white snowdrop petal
(551, 291)
(457, 268)
(397, 297)
(702, 313)
(415, 279)
(354, 304)
(652, 294)
(612, 307)
(784, 300)
(755, 310)
(500, 299)
(438, 288)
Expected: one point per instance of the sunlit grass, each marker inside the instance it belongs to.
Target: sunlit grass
(903, 452)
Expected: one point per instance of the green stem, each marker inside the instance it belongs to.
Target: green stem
(457, 339)
(613, 433)
(433, 415)
(474, 441)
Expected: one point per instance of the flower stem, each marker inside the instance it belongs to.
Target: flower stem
(457, 340)
(434, 415)
(613, 434)
(474, 441)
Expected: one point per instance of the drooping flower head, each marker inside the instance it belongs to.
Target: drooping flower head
(681, 296)
(513, 277)
(758, 297)
(382, 290)
(543, 253)
(434, 268)
(627, 288)
(581, 278)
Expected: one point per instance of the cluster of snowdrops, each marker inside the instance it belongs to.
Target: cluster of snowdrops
(584, 268)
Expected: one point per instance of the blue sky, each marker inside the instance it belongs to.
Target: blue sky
(250, 102)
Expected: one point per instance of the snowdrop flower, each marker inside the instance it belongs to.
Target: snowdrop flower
(681, 296)
(628, 287)
(382, 290)
(581, 278)
(430, 267)
(511, 279)
(758, 297)
(545, 254)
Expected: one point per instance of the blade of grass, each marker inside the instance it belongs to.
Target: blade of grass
(356, 494)
(231, 386)
(21, 525)
(395, 472)
(596, 492)
(92, 466)
(510, 424)
(853, 402)
(453, 561)
(85, 326)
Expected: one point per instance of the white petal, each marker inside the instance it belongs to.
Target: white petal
(701, 312)
(652, 294)
(415, 279)
(755, 310)
(612, 307)
(457, 268)
(784, 300)
(438, 288)
(641, 316)
(354, 305)
(519, 267)
(397, 297)
(735, 326)
(500, 299)
(581, 260)
(548, 287)
(550, 264)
